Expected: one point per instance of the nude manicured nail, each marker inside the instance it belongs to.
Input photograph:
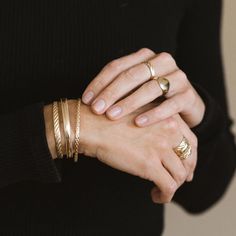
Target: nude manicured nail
(99, 105)
(115, 111)
(142, 120)
(87, 97)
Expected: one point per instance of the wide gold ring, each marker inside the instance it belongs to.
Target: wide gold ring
(163, 83)
(184, 149)
(151, 69)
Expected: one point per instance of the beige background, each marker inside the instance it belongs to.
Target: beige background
(221, 219)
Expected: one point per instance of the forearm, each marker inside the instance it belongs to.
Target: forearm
(24, 154)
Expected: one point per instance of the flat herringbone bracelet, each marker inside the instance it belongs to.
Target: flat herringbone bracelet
(57, 132)
(67, 127)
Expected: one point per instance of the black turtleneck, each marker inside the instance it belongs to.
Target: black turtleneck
(52, 49)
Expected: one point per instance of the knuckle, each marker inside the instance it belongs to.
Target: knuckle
(100, 84)
(170, 190)
(163, 144)
(182, 76)
(146, 51)
(114, 65)
(182, 175)
(191, 95)
(171, 124)
(129, 74)
(109, 94)
(127, 104)
(166, 56)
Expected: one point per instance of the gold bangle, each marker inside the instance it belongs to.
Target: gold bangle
(56, 128)
(67, 127)
(77, 131)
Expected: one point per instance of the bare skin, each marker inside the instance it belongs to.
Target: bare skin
(128, 75)
(146, 152)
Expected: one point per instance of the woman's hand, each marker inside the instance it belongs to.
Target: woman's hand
(145, 152)
(123, 86)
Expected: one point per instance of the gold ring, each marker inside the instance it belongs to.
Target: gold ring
(164, 84)
(184, 149)
(151, 68)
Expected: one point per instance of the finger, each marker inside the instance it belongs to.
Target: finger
(129, 80)
(166, 109)
(142, 96)
(166, 185)
(190, 178)
(191, 161)
(192, 164)
(175, 167)
(179, 169)
(178, 83)
(111, 70)
(148, 92)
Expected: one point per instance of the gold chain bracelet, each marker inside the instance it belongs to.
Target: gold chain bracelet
(57, 132)
(77, 131)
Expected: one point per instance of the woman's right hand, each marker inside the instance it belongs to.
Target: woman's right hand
(146, 152)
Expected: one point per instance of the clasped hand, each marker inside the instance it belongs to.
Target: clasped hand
(123, 90)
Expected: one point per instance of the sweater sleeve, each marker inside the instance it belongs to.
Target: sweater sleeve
(199, 55)
(24, 152)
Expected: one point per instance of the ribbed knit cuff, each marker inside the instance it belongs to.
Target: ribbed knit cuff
(214, 120)
(45, 167)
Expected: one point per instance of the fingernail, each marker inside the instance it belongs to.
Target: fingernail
(99, 105)
(142, 120)
(115, 111)
(87, 97)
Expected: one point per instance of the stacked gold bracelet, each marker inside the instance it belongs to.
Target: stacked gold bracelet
(77, 131)
(57, 132)
(67, 128)
(70, 150)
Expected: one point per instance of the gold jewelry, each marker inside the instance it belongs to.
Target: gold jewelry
(184, 149)
(151, 68)
(67, 128)
(56, 128)
(164, 84)
(77, 132)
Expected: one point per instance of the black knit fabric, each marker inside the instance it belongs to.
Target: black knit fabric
(52, 49)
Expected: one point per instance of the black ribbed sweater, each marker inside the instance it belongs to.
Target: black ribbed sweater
(52, 49)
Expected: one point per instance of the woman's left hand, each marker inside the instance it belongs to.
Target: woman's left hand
(124, 85)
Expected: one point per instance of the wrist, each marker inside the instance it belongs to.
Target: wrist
(89, 131)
